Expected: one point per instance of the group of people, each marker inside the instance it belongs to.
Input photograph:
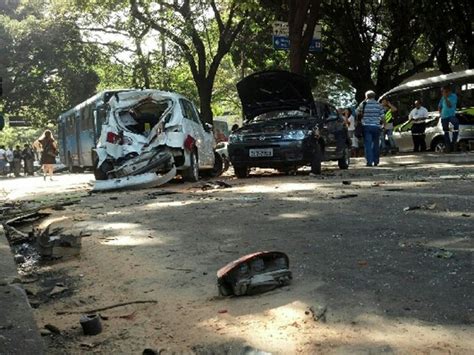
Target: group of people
(13, 160)
(372, 125)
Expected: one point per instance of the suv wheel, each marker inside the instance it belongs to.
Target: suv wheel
(192, 174)
(438, 145)
(316, 160)
(345, 160)
(241, 172)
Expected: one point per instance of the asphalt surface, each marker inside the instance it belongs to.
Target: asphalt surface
(385, 253)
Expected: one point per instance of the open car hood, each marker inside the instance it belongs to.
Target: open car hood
(276, 90)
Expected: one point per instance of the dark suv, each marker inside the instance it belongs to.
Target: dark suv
(285, 128)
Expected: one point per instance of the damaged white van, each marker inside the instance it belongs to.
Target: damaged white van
(148, 137)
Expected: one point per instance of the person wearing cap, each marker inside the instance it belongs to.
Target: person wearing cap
(447, 110)
(371, 114)
(418, 118)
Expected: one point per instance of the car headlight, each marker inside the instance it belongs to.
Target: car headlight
(295, 135)
(235, 138)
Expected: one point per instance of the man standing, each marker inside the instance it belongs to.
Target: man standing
(418, 118)
(390, 113)
(28, 160)
(447, 110)
(9, 157)
(371, 113)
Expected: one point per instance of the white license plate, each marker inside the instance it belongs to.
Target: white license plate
(258, 153)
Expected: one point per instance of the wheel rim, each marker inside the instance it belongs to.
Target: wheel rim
(440, 147)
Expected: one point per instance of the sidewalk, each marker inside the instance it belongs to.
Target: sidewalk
(423, 158)
(18, 331)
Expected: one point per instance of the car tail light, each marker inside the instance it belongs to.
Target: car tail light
(189, 143)
(114, 138)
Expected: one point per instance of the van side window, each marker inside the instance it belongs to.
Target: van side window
(188, 110)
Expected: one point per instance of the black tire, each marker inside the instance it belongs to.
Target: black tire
(100, 173)
(317, 159)
(70, 167)
(218, 168)
(345, 160)
(192, 173)
(241, 172)
(438, 145)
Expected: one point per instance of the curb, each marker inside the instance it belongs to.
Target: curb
(424, 158)
(18, 331)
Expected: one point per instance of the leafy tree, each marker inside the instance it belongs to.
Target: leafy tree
(202, 38)
(44, 64)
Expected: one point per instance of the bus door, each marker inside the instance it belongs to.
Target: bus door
(86, 136)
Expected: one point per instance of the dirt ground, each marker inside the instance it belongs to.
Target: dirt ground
(384, 280)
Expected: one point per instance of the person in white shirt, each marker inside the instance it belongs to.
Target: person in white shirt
(9, 157)
(350, 123)
(418, 117)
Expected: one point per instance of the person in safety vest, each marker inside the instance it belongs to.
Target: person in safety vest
(391, 113)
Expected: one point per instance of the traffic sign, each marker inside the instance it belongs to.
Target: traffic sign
(281, 40)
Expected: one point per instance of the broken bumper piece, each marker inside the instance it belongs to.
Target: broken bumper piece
(142, 181)
(254, 273)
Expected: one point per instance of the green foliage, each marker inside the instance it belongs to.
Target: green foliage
(45, 66)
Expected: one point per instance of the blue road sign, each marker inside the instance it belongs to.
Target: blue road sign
(283, 43)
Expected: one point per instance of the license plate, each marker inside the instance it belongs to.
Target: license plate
(259, 153)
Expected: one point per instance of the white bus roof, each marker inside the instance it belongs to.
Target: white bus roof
(433, 81)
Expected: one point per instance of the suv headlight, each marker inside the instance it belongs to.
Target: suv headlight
(295, 135)
(236, 138)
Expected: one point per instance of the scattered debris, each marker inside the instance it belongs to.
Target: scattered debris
(214, 185)
(178, 269)
(363, 263)
(19, 259)
(394, 189)
(254, 273)
(341, 197)
(430, 206)
(160, 193)
(346, 182)
(222, 311)
(466, 215)
(318, 313)
(52, 328)
(57, 290)
(106, 307)
(45, 332)
(91, 324)
(443, 254)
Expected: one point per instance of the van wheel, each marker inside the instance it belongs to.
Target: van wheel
(192, 174)
(100, 173)
(345, 160)
(70, 167)
(241, 172)
(316, 160)
(218, 168)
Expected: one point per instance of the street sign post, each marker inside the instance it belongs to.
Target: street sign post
(281, 40)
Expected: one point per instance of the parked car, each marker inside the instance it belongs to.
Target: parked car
(150, 131)
(435, 134)
(284, 127)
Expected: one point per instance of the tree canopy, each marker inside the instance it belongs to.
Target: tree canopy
(57, 53)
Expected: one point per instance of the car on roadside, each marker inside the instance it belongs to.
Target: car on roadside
(284, 127)
(434, 132)
(152, 131)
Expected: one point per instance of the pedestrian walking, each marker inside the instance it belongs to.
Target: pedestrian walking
(3, 161)
(28, 160)
(48, 153)
(418, 118)
(447, 110)
(371, 114)
(9, 158)
(16, 163)
(391, 113)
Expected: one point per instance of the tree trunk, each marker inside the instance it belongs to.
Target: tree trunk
(204, 87)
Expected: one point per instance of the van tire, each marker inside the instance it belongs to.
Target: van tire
(241, 172)
(100, 173)
(192, 173)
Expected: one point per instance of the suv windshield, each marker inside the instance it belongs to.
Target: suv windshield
(280, 114)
